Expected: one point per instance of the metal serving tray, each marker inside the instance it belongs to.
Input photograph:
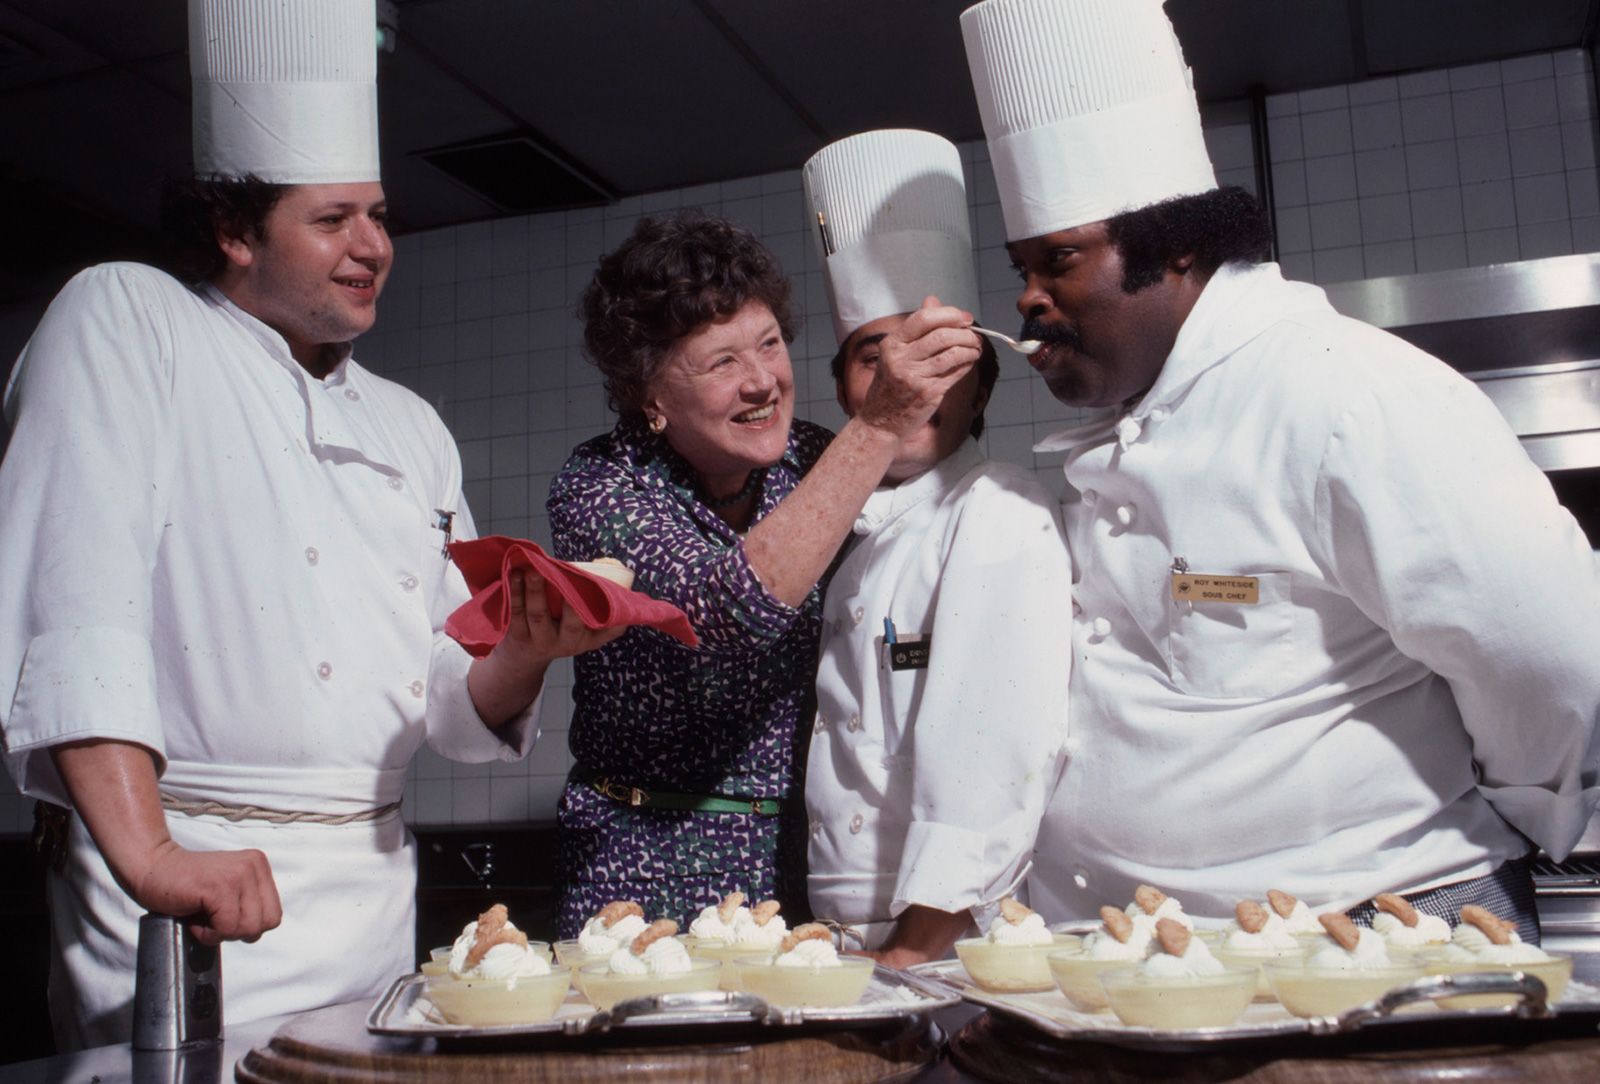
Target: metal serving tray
(891, 995)
(1404, 1006)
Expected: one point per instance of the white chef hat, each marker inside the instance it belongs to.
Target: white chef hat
(285, 90)
(1088, 107)
(893, 227)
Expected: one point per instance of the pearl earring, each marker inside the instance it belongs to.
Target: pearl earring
(657, 423)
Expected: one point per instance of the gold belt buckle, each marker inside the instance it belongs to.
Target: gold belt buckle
(755, 806)
(637, 797)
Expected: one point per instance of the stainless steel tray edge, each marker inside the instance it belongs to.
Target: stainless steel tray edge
(1579, 998)
(575, 1019)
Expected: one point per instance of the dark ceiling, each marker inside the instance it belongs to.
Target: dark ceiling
(633, 96)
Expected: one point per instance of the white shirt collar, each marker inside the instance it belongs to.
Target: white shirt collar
(273, 342)
(887, 502)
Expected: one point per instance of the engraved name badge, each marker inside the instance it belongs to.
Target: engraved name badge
(1199, 587)
(910, 653)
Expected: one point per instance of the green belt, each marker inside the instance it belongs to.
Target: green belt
(663, 799)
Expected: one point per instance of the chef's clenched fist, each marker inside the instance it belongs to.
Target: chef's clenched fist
(224, 895)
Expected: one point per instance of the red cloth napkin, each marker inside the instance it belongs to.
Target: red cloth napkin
(486, 563)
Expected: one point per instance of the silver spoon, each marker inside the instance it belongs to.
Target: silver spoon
(1026, 346)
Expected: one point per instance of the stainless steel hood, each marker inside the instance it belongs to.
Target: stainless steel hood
(1528, 333)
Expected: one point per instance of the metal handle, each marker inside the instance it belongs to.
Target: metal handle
(657, 1004)
(479, 858)
(1533, 998)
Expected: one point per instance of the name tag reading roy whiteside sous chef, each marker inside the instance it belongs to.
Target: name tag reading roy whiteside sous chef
(1200, 587)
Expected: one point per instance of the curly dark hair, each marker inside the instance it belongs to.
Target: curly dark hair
(988, 372)
(675, 274)
(1225, 225)
(194, 211)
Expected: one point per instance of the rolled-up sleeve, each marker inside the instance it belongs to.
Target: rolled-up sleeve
(991, 722)
(84, 488)
(1446, 535)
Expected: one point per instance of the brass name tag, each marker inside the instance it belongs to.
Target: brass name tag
(1194, 587)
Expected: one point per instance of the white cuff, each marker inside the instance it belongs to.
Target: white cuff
(455, 730)
(942, 868)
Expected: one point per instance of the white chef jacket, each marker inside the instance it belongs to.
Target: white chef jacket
(925, 786)
(209, 553)
(1418, 682)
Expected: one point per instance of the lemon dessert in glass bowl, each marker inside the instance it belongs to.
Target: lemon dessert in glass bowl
(1120, 942)
(1010, 957)
(1258, 934)
(1352, 967)
(450, 959)
(654, 963)
(1182, 985)
(613, 927)
(1405, 930)
(806, 969)
(728, 929)
(499, 978)
(1485, 942)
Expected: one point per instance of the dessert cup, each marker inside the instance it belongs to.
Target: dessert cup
(814, 985)
(1011, 969)
(1189, 1001)
(724, 954)
(496, 1002)
(605, 988)
(1327, 991)
(1078, 977)
(1555, 973)
(1256, 958)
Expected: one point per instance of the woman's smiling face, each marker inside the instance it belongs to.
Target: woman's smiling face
(726, 394)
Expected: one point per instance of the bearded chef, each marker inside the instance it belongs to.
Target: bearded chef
(222, 584)
(1335, 635)
(942, 683)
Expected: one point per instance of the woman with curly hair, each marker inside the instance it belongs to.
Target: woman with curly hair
(684, 785)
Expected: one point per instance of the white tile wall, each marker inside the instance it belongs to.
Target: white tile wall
(1425, 171)
(1433, 170)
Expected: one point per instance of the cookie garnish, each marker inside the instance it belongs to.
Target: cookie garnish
(810, 931)
(1117, 923)
(1398, 906)
(1013, 911)
(763, 912)
(1149, 898)
(1250, 915)
(661, 927)
(729, 906)
(1495, 928)
(1341, 929)
(617, 910)
(1173, 935)
(1281, 902)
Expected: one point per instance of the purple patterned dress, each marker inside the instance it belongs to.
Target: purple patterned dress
(728, 719)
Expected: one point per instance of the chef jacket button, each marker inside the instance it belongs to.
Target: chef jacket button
(1101, 627)
(1090, 496)
(409, 583)
(324, 671)
(416, 689)
(352, 395)
(1080, 879)
(1076, 608)
(1128, 430)
(816, 828)
(312, 555)
(899, 525)
(395, 482)
(1125, 514)
(857, 614)
(855, 723)
(1159, 414)
(855, 824)
(820, 725)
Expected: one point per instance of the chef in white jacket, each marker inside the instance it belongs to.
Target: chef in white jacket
(222, 584)
(1336, 635)
(942, 684)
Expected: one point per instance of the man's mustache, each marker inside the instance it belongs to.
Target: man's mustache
(1056, 334)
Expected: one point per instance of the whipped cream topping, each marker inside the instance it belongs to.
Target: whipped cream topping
(1101, 945)
(598, 939)
(1370, 952)
(746, 931)
(1274, 936)
(1170, 908)
(462, 948)
(710, 927)
(810, 953)
(507, 963)
(1467, 942)
(1429, 930)
(664, 957)
(1301, 920)
(1030, 931)
(1195, 961)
